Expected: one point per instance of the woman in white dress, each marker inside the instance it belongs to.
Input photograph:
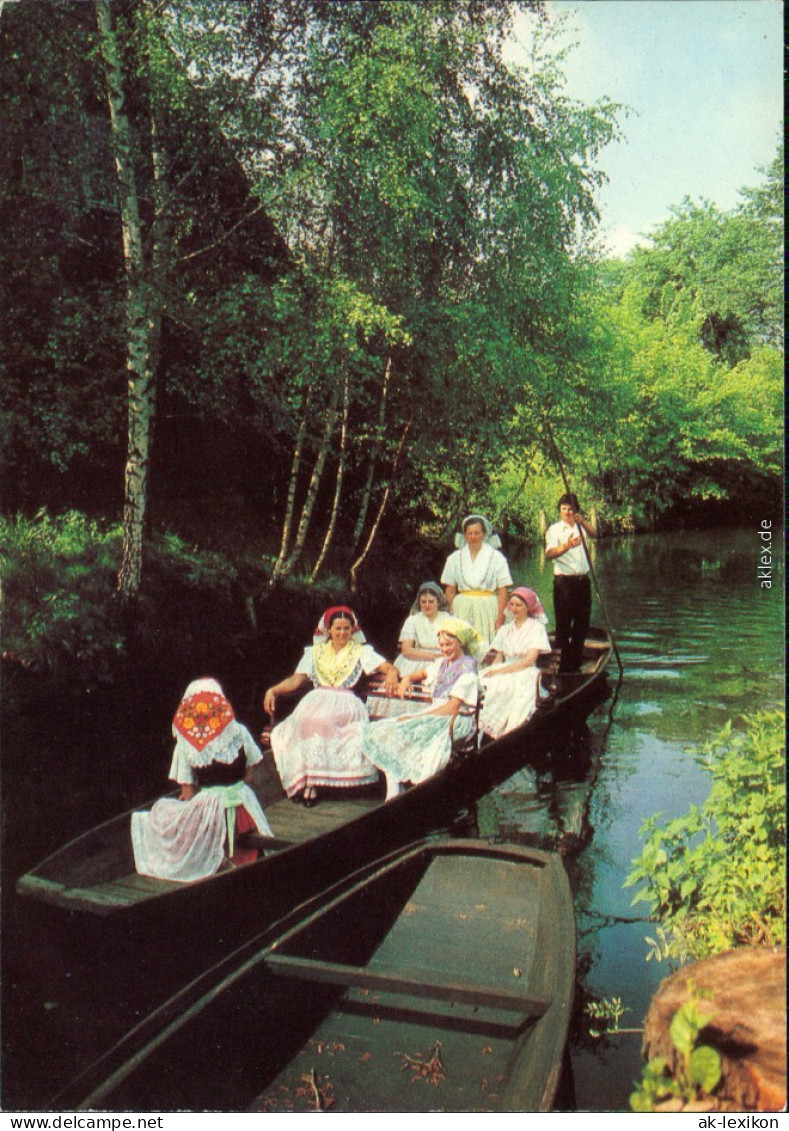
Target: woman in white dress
(414, 747)
(189, 837)
(418, 646)
(320, 744)
(476, 577)
(510, 682)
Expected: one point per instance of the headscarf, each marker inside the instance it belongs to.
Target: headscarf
(204, 723)
(470, 640)
(429, 587)
(332, 668)
(532, 602)
(322, 629)
(489, 538)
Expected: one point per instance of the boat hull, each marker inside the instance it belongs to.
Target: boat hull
(437, 979)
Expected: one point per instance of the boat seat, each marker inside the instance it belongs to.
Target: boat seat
(374, 689)
(414, 984)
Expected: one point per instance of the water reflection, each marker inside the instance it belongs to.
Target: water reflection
(545, 804)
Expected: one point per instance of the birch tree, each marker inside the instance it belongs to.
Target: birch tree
(143, 307)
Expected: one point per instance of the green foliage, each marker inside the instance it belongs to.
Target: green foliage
(605, 1014)
(715, 877)
(58, 576)
(696, 1069)
(341, 185)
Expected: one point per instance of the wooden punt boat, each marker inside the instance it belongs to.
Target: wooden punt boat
(311, 848)
(439, 978)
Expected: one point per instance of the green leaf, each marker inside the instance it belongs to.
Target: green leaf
(705, 1068)
(682, 1030)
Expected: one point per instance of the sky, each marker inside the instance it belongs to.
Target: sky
(704, 83)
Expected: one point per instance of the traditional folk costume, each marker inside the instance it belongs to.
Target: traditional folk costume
(188, 840)
(510, 698)
(423, 633)
(477, 580)
(320, 744)
(414, 747)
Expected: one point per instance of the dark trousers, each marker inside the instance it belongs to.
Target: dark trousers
(572, 606)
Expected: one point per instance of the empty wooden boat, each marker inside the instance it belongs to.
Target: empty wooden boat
(439, 978)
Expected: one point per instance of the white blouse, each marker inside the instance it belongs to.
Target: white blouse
(512, 641)
(488, 571)
(422, 631)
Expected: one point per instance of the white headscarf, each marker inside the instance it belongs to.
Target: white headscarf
(490, 538)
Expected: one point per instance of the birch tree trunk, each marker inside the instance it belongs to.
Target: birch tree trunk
(290, 506)
(312, 491)
(367, 491)
(384, 500)
(143, 316)
(335, 509)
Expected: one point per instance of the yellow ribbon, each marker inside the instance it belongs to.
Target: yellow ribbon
(476, 593)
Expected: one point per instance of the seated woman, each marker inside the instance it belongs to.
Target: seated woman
(185, 838)
(418, 645)
(320, 744)
(510, 682)
(414, 747)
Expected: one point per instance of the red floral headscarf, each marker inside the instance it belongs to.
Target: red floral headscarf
(203, 714)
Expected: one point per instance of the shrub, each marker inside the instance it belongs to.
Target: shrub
(715, 877)
(58, 576)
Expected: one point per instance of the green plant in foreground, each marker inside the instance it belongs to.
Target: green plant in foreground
(605, 1013)
(715, 876)
(697, 1068)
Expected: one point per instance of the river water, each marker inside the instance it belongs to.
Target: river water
(701, 642)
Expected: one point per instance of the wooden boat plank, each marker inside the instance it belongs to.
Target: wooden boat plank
(505, 927)
(455, 1016)
(139, 887)
(361, 1066)
(297, 824)
(416, 983)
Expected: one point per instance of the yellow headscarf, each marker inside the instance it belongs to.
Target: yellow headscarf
(470, 639)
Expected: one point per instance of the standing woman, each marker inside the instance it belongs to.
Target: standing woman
(414, 747)
(572, 589)
(511, 681)
(320, 744)
(476, 578)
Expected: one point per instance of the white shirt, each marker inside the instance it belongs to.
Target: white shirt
(574, 562)
(488, 571)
